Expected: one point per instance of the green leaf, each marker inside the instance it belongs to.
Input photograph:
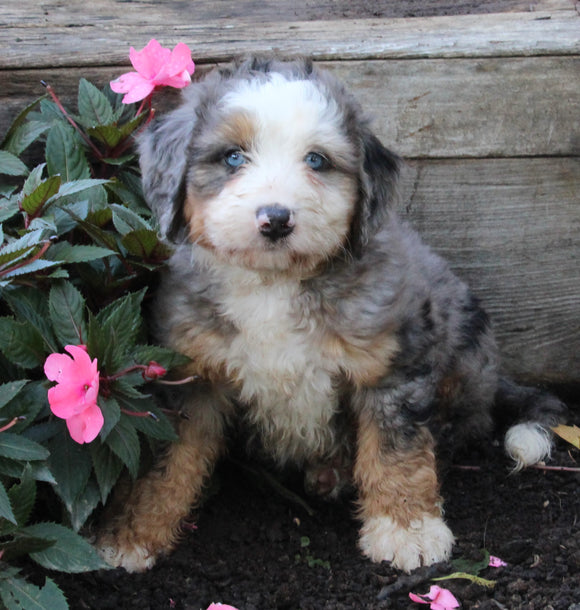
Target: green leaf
(65, 252)
(16, 470)
(124, 442)
(84, 505)
(79, 186)
(17, 447)
(93, 106)
(64, 154)
(69, 553)
(19, 545)
(70, 464)
(24, 135)
(8, 143)
(111, 413)
(9, 390)
(33, 203)
(125, 220)
(109, 135)
(6, 511)
(21, 343)
(145, 244)
(108, 468)
(34, 179)
(22, 497)
(11, 165)
(18, 594)
(158, 427)
(67, 309)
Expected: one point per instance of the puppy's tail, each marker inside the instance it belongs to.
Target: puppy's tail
(530, 440)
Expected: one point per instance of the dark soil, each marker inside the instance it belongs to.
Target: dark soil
(258, 549)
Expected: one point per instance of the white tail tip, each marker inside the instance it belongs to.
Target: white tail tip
(527, 444)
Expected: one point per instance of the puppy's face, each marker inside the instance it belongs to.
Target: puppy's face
(273, 177)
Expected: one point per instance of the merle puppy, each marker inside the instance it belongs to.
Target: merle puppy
(312, 316)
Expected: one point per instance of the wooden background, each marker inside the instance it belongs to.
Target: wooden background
(482, 98)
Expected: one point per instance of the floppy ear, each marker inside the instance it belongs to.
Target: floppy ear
(379, 174)
(164, 150)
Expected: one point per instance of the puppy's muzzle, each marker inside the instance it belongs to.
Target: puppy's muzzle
(274, 221)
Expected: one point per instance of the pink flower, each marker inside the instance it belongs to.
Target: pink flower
(219, 606)
(74, 398)
(156, 67)
(496, 562)
(153, 371)
(440, 599)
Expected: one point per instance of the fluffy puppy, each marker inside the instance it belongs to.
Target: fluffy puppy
(311, 315)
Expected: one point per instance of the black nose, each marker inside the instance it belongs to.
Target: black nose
(274, 221)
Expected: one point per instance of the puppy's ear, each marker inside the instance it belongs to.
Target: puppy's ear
(164, 151)
(379, 175)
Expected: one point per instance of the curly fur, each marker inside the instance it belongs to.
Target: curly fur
(311, 313)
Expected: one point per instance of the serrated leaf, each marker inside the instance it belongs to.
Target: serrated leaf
(15, 469)
(109, 135)
(125, 220)
(111, 413)
(84, 505)
(20, 121)
(24, 135)
(69, 553)
(9, 390)
(570, 434)
(78, 185)
(124, 442)
(21, 343)
(33, 203)
(11, 165)
(17, 447)
(22, 497)
(64, 155)
(145, 244)
(67, 309)
(159, 427)
(18, 594)
(70, 465)
(93, 106)
(33, 180)
(65, 253)
(6, 511)
(33, 267)
(107, 467)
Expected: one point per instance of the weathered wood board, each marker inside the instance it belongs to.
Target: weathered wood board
(486, 108)
(511, 229)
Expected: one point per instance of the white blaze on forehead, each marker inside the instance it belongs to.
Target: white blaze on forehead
(290, 109)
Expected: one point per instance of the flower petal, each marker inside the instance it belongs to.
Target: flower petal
(85, 426)
(150, 59)
(496, 562)
(56, 366)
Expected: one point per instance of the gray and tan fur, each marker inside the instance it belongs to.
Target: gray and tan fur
(311, 313)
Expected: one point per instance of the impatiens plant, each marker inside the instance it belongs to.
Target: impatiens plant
(79, 254)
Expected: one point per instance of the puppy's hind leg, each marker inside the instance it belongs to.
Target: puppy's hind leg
(149, 521)
(399, 501)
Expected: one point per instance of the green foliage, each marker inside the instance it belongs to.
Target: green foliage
(78, 255)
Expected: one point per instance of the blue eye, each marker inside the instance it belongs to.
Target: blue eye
(235, 158)
(316, 161)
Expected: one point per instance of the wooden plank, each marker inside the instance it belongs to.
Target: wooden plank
(103, 39)
(422, 108)
(511, 228)
(73, 14)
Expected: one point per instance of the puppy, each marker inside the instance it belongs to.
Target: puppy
(311, 314)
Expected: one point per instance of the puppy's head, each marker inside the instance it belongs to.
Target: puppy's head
(269, 165)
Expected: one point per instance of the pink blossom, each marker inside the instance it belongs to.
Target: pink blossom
(219, 606)
(440, 599)
(496, 562)
(156, 67)
(74, 398)
(153, 371)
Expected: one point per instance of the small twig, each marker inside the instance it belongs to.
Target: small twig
(410, 581)
(10, 425)
(179, 381)
(149, 414)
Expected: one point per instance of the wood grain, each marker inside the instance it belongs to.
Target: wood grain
(511, 229)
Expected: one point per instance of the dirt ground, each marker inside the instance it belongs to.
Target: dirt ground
(259, 549)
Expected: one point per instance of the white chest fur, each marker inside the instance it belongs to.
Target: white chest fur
(287, 382)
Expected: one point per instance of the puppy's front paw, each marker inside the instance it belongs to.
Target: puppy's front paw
(124, 553)
(424, 542)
